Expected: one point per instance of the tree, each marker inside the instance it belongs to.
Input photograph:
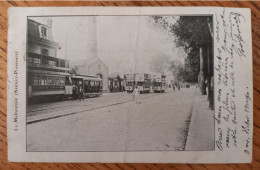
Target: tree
(192, 67)
(190, 32)
(177, 69)
(193, 33)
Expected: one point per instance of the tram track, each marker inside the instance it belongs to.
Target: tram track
(52, 108)
(85, 110)
(37, 110)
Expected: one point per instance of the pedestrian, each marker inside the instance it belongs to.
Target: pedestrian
(74, 92)
(136, 94)
(81, 94)
(173, 87)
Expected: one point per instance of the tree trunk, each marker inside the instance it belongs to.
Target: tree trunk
(201, 77)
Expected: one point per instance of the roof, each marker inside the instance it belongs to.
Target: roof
(86, 77)
(33, 28)
(34, 34)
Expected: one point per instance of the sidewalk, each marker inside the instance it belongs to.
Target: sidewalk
(201, 130)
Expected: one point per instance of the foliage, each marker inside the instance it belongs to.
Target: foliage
(192, 67)
(190, 33)
(178, 71)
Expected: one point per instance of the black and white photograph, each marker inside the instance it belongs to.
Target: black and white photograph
(130, 85)
(120, 83)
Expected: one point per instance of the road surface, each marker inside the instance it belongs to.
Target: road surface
(112, 122)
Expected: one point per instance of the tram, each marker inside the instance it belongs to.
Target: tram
(115, 83)
(159, 82)
(143, 81)
(61, 87)
(129, 82)
(48, 86)
(91, 85)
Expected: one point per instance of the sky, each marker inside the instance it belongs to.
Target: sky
(123, 43)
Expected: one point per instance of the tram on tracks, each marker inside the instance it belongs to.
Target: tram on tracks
(143, 81)
(91, 85)
(61, 87)
(129, 82)
(159, 83)
(49, 86)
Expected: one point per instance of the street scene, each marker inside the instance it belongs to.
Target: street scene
(120, 83)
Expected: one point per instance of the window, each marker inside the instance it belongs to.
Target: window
(30, 60)
(43, 80)
(43, 32)
(129, 83)
(36, 61)
(52, 63)
(55, 80)
(85, 87)
(45, 52)
(49, 80)
(140, 83)
(157, 84)
(62, 63)
(35, 80)
(62, 81)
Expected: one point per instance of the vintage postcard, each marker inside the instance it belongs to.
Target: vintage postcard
(130, 84)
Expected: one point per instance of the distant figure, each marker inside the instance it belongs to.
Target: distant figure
(173, 87)
(179, 87)
(81, 95)
(136, 94)
(74, 92)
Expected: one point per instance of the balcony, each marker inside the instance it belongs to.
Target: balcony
(47, 66)
(47, 72)
(47, 62)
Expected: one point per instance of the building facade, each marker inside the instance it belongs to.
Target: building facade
(46, 73)
(93, 66)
